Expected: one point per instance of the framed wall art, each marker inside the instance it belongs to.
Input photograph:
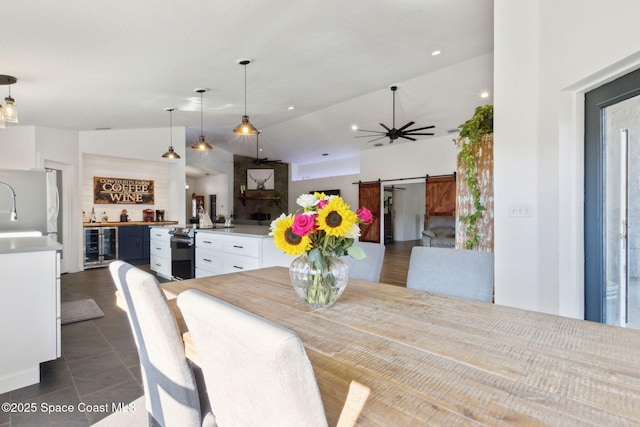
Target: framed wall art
(261, 179)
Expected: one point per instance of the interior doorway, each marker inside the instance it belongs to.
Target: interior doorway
(612, 203)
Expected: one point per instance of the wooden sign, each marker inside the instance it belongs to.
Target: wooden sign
(122, 191)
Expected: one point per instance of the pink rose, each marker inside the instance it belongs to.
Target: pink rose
(322, 203)
(365, 215)
(303, 225)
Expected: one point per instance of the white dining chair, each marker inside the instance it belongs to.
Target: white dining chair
(257, 372)
(370, 267)
(456, 272)
(173, 394)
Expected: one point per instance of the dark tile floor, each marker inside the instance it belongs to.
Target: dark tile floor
(99, 367)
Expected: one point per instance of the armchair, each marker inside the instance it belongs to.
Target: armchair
(440, 232)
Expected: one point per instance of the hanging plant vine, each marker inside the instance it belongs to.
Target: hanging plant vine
(473, 129)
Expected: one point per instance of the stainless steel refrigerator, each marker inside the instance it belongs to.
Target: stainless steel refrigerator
(23, 201)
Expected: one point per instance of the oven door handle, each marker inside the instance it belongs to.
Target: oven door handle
(188, 241)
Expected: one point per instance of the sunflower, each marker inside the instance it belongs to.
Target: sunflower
(336, 218)
(288, 241)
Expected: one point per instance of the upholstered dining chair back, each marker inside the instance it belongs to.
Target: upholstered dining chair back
(171, 394)
(370, 267)
(456, 272)
(257, 372)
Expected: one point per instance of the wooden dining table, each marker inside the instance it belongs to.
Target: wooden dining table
(428, 359)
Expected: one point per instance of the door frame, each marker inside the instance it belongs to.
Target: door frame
(625, 87)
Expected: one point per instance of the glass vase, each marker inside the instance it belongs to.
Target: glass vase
(319, 287)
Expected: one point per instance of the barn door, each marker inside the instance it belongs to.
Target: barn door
(369, 196)
(440, 197)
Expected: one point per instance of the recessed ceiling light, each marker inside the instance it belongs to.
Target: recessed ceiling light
(436, 53)
(291, 108)
(354, 127)
(484, 94)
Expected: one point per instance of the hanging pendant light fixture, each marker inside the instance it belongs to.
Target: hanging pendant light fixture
(170, 154)
(245, 127)
(9, 112)
(201, 144)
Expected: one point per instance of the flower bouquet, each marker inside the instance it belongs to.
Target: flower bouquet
(320, 234)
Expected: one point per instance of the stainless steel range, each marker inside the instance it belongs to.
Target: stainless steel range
(183, 253)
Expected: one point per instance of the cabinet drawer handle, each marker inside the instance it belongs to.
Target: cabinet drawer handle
(158, 235)
(205, 259)
(158, 265)
(206, 241)
(238, 246)
(238, 267)
(158, 248)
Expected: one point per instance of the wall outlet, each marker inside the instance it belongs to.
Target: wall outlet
(519, 210)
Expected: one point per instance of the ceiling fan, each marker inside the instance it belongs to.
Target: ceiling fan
(258, 161)
(393, 133)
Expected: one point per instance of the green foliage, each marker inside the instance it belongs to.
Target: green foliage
(473, 129)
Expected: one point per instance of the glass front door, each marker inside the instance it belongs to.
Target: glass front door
(621, 122)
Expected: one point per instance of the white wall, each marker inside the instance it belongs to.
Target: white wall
(218, 185)
(433, 156)
(143, 147)
(31, 147)
(344, 183)
(409, 209)
(547, 54)
(118, 167)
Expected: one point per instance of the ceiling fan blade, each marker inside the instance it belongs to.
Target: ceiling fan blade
(423, 128)
(374, 131)
(406, 126)
(419, 133)
(388, 130)
(383, 136)
(407, 137)
(369, 136)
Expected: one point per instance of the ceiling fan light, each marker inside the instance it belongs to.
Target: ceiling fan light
(2, 125)
(201, 144)
(245, 128)
(10, 112)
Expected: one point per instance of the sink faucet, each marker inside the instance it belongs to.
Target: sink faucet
(14, 213)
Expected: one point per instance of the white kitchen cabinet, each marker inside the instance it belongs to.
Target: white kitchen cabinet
(237, 249)
(29, 309)
(160, 251)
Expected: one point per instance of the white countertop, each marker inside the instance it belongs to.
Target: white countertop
(28, 244)
(249, 230)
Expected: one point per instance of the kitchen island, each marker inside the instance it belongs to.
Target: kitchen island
(239, 248)
(30, 308)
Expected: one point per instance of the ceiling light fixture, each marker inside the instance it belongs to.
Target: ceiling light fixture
(245, 127)
(201, 144)
(9, 113)
(436, 53)
(170, 154)
(484, 94)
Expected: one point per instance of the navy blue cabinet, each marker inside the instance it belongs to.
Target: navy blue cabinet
(133, 244)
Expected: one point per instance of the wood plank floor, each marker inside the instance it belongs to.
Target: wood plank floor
(396, 262)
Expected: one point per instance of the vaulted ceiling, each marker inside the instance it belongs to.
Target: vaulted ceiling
(118, 64)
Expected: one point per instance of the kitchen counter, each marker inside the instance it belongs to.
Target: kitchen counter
(128, 223)
(249, 230)
(28, 244)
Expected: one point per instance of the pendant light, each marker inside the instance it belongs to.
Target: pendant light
(201, 144)
(9, 112)
(170, 154)
(245, 128)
